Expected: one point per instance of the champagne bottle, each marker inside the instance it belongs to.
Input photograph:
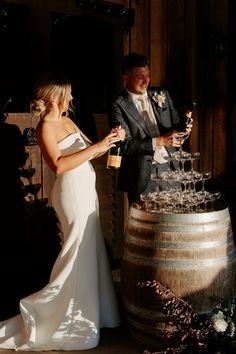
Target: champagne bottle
(115, 154)
(185, 120)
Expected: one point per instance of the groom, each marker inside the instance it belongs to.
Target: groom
(149, 117)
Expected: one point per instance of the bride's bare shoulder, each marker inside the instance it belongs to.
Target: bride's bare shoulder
(45, 125)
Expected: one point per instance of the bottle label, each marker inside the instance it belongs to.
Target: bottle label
(113, 161)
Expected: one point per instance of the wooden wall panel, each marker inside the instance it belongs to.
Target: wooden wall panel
(192, 66)
(158, 42)
(172, 33)
(180, 38)
(139, 39)
(220, 16)
(176, 59)
(213, 87)
(177, 35)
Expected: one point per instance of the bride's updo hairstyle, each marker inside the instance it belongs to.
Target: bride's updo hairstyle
(50, 85)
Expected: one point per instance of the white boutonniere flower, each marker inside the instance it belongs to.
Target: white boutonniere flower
(159, 98)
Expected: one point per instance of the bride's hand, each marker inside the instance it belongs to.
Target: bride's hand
(105, 144)
(120, 133)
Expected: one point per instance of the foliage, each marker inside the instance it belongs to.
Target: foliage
(190, 332)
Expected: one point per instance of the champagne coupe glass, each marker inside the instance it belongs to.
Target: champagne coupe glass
(207, 200)
(214, 196)
(156, 178)
(168, 160)
(199, 202)
(34, 189)
(26, 190)
(145, 199)
(28, 173)
(181, 136)
(196, 177)
(205, 176)
(194, 156)
(183, 158)
(184, 181)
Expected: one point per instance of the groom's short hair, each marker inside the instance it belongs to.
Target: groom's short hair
(134, 60)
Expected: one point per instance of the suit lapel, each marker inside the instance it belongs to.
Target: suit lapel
(156, 109)
(129, 106)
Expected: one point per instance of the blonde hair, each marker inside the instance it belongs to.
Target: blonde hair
(50, 85)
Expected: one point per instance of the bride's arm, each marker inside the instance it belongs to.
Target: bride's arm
(47, 140)
(119, 133)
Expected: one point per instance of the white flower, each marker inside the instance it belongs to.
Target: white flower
(219, 315)
(159, 98)
(220, 325)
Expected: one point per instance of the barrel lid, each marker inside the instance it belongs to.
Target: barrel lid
(221, 212)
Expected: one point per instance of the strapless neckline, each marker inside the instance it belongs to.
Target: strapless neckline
(69, 135)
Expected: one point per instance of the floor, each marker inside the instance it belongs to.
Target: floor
(112, 341)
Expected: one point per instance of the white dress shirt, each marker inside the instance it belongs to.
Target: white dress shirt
(143, 104)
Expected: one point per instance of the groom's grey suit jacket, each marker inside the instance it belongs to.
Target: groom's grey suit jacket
(135, 171)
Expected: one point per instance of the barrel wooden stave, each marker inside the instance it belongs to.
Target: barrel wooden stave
(192, 254)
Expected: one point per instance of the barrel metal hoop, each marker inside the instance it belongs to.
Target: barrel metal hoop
(198, 263)
(180, 245)
(181, 227)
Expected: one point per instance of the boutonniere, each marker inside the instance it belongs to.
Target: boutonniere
(159, 98)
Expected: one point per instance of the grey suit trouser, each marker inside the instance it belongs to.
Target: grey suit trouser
(152, 185)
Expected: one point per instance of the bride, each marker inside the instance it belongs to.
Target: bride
(79, 299)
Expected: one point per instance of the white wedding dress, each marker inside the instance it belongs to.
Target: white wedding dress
(79, 299)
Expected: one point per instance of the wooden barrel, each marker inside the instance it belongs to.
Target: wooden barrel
(192, 254)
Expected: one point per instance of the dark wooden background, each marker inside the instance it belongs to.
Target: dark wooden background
(190, 43)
